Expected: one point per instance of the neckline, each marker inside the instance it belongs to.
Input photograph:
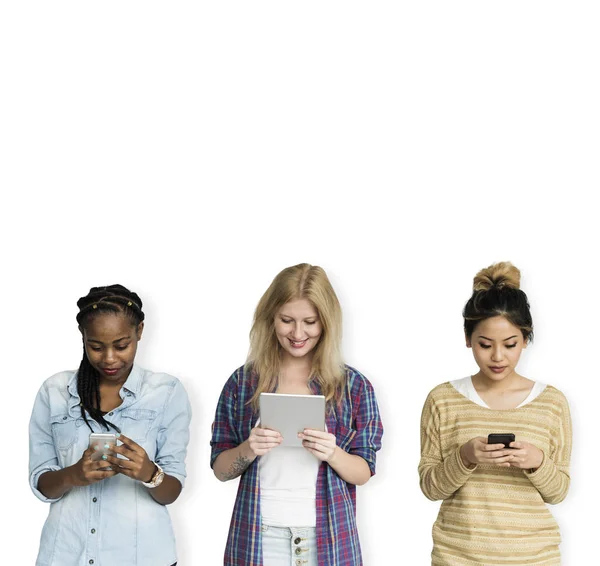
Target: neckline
(485, 406)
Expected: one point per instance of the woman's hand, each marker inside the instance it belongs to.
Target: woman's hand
(261, 440)
(88, 471)
(525, 455)
(136, 463)
(478, 451)
(321, 444)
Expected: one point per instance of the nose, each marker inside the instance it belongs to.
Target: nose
(497, 354)
(109, 356)
(298, 331)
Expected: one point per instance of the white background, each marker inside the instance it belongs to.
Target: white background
(190, 151)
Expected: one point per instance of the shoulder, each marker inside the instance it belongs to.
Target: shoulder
(243, 378)
(554, 396)
(59, 381)
(158, 379)
(441, 393)
(356, 381)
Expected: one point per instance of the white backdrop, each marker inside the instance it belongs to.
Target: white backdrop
(190, 151)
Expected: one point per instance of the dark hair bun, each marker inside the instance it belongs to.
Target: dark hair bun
(498, 275)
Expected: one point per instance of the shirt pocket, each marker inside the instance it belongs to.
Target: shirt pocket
(64, 431)
(137, 423)
(344, 436)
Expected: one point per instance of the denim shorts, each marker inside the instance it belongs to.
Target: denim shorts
(289, 546)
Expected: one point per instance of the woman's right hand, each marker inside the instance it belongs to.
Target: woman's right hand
(262, 440)
(88, 471)
(478, 451)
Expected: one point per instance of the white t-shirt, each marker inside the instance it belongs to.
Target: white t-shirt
(465, 387)
(288, 487)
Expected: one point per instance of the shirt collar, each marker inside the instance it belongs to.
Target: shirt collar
(132, 384)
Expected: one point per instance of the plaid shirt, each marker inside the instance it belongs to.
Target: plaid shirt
(358, 430)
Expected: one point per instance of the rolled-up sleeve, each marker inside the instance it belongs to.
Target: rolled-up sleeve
(174, 434)
(224, 432)
(368, 426)
(42, 452)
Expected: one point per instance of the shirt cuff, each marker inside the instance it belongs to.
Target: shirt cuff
(33, 482)
(544, 474)
(458, 472)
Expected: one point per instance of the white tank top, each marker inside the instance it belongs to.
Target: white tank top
(288, 487)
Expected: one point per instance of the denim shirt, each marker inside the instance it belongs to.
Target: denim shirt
(113, 522)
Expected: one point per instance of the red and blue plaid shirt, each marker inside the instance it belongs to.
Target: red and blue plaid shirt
(358, 430)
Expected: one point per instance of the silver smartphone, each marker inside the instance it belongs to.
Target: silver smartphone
(101, 439)
(291, 414)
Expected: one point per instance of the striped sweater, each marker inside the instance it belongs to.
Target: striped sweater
(494, 515)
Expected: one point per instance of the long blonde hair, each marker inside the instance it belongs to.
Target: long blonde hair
(303, 281)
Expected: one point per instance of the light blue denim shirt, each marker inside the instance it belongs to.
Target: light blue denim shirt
(114, 522)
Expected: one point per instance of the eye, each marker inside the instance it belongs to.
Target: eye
(484, 346)
(286, 320)
(511, 345)
(310, 321)
(95, 348)
(121, 347)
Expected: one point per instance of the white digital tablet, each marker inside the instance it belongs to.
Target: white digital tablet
(291, 414)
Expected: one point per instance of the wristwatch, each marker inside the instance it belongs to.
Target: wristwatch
(156, 478)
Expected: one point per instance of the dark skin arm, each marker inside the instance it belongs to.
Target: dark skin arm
(85, 472)
(139, 467)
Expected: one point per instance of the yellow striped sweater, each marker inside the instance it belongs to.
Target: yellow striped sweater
(493, 515)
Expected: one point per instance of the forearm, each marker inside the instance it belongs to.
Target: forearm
(351, 468)
(167, 492)
(55, 484)
(439, 479)
(233, 463)
(551, 481)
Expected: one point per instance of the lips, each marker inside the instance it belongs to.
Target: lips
(298, 343)
(497, 369)
(110, 371)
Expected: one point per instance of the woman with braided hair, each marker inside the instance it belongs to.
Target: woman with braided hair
(109, 511)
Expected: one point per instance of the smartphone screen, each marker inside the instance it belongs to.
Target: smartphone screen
(101, 439)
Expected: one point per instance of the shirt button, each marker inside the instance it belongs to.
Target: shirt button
(110, 414)
(297, 540)
(298, 562)
(298, 550)
(91, 561)
(64, 418)
(93, 531)
(95, 499)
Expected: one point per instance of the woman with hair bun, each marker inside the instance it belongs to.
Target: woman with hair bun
(296, 505)
(108, 499)
(495, 490)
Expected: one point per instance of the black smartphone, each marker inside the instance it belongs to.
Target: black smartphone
(505, 439)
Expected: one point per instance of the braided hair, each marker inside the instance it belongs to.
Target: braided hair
(113, 299)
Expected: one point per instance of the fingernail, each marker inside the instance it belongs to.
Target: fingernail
(104, 457)
(118, 435)
(96, 447)
(106, 446)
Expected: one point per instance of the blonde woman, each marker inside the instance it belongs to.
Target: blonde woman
(495, 490)
(296, 505)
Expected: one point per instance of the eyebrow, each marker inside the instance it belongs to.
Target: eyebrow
(505, 339)
(114, 341)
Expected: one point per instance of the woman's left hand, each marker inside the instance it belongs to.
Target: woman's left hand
(137, 465)
(525, 455)
(321, 444)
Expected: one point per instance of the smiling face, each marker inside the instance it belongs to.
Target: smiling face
(497, 345)
(298, 328)
(111, 343)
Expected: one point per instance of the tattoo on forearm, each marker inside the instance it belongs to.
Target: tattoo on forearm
(237, 468)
